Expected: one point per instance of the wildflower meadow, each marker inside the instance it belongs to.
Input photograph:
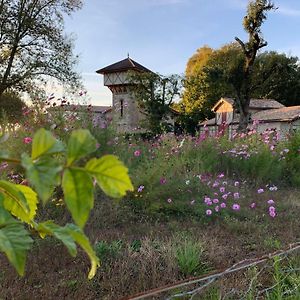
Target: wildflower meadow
(199, 204)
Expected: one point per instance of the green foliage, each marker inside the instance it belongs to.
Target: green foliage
(50, 166)
(33, 32)
(155, 95)
(81, 143)
(44, 143)
(78, 185)
(189, 256)
(108, 250)
(292, 159)
(11, 107)
(110, 175)
(15, 242)
(43, 174)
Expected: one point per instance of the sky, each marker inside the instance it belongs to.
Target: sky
(163, 34)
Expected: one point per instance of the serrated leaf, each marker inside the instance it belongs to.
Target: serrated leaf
(61, 233)
(78, 194)
(14, 198)
(5, 216)
(70, 234)
(15, 209)
(80, 238)
(43, 174)
(45, 143)
(81, 143)
(111, 175)
(15, 242)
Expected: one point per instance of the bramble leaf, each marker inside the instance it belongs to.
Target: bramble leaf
(43, 174)
(45, 143)
(81, 143)
(80, 238)
(70, 234)
(78, 194)
(61, 233)
(18, 211)
(14, 240)
(111, 175)
(14, 199)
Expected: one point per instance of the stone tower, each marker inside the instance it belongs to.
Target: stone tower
(126, 114)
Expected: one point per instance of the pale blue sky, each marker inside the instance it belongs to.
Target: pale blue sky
(163, 34)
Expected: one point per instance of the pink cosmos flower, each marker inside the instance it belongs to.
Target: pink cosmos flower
(236, 195)
(271, 202)
(236, 183)
(222, 189)
(272, 209)
(225, 196)
(217, 208)
(221, 175)
(137, 153)
(163, 180)
(253, 205)
(236, 206)
(215, 184)
(27, 140)
(272, 214)
(208, 212)
(215, 201)
(169, 200)
(259, 191)
(140, 189)
(223, 205)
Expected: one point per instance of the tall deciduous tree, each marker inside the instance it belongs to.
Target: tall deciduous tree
(155, 95)
(256, 15)
(276, 76)
(33, 43)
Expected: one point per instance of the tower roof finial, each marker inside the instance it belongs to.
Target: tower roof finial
(127, 54)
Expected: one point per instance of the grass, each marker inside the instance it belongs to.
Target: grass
(161, 234)
(139, 254)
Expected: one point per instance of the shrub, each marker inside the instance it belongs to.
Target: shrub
(52, 164)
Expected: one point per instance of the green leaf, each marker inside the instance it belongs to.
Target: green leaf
(14, 199)
(81, 143)
(78, 191)
(80, 238)
(14, 242)
(44, 143)
(17, 210)
(43, 174)
(70, 234)
(111, 175)
(61, 233)
(5, 216)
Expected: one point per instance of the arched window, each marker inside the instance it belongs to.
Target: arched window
(121, 108)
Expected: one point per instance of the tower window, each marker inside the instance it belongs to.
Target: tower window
(121, 108)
